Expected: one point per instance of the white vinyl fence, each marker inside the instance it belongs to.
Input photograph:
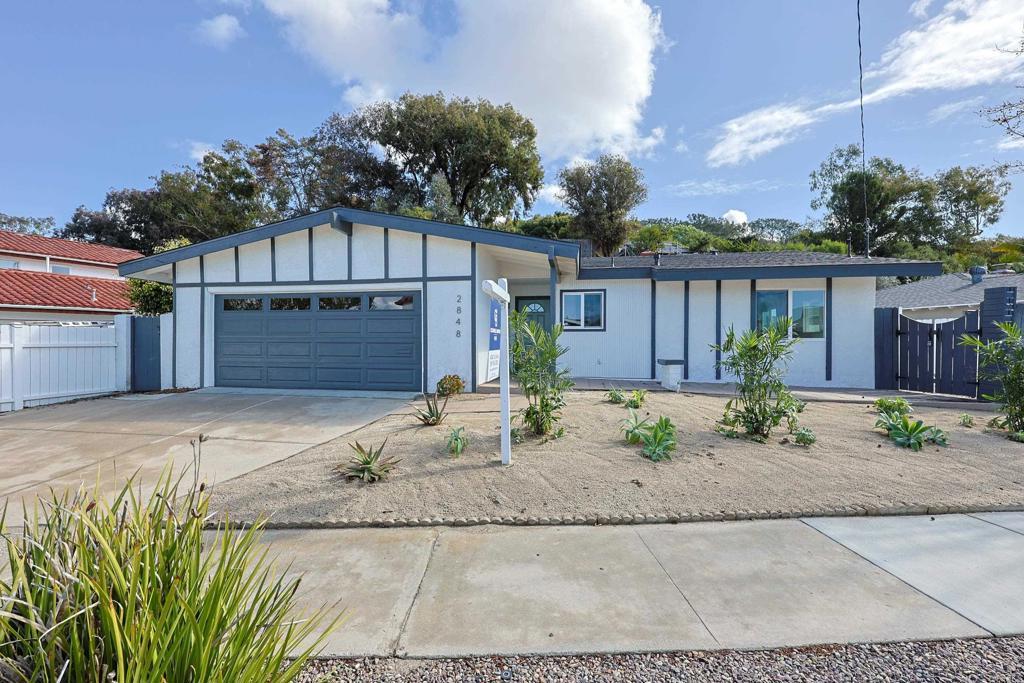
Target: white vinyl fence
(44, 363)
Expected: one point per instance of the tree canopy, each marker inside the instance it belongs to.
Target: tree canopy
(600, 196)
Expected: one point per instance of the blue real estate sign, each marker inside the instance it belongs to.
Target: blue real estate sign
(494, 344)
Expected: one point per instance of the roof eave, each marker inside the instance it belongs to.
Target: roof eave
(661, 273)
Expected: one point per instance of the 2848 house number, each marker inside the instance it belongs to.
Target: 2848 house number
(458, 315)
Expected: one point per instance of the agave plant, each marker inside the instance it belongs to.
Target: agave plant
(616, 397)
(368, 464)
(457, 441)
(659, 440)
(913, 434)
(633, 427)
(636, 399)
(435, 412)
(138, 590)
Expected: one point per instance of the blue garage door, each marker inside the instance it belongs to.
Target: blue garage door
(365, 340)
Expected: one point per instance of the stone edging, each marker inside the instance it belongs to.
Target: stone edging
(605, 520)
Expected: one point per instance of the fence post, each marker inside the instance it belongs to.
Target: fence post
(998, 306)
(20, 379)
(886, 351)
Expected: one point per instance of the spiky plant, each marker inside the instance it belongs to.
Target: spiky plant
(457, 441)
(368, 464)
(435, 412)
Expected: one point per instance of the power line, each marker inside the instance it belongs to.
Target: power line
(863, 144)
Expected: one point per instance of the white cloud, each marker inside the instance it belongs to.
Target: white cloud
(945, 111)
(582, 71)
(708, 188)
(220, 31)
(955, 49)
(1010, 143)
(552, 194)
(735, 216)
(243, 5)
(197, 150)
(681, 146)
(919, 8)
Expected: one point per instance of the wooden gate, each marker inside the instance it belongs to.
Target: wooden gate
(911, 355)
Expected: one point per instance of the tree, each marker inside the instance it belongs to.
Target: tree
(1010, 113)
(126, 220)
(600, 195)
(28, 225)
(553, 226)
(648, 238)
(970, 199)
(486, 153)
(775, 229)
(717, 227)
(153, 298)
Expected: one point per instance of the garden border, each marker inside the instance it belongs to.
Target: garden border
(607, 520)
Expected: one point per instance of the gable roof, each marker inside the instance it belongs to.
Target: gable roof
(750, 265)
(955, 289)
(67, 249)
(35, 289)
(342, 219)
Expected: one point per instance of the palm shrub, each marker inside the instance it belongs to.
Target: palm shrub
(535, 354)
(1002, 361)
(758, 359)
(135, 591)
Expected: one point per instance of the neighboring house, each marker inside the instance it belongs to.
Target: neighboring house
(938, 299)
(45, 279)
(351, 299)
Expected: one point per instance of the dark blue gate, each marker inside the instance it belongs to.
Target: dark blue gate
(145, 353)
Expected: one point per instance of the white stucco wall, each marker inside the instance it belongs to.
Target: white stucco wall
(669, 330)
(405, 254)
(853, 340)
(449, 331)
(254, 262)
(291, 256)
(702, 331)
(186, 336)
(367, 252)
(219, 266)
(330, 253)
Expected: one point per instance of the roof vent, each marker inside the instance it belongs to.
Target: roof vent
(977, 274)
(657, 259)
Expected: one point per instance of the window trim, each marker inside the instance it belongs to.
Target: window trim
(789, 309)
(604, 310)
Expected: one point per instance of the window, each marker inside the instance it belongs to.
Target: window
(340, 303)
(251, 304)
(61, 270)
(809, 314)
(289, 303)
(391, 303)
(6, 263)
(583, 310)
(771, 306)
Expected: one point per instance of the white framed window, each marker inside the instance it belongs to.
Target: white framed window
(8, 263)
(583, 310)
(60, 270)
(805, 307)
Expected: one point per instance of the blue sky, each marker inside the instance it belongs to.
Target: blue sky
(725, 105)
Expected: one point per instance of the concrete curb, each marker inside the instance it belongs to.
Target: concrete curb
(606, 520)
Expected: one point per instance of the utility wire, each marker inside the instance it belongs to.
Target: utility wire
(863, 150)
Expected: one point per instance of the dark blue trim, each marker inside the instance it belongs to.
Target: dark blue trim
(604, 310)
(472, 322)
(174, 326)
(365, 281)
(552, 290)
(202, 322)
(686, 329)
(923, 268)
(718, 328)
(386, 260)
(753, 304)
(426, 336)
(828, 329)
(553, 263)
(237, 275)
(349, 239)
(273, 259)
(654, 326)
(309, 248)
(341, 219)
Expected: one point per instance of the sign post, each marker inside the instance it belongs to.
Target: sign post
(498, 292)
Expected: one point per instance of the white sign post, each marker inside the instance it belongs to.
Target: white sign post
(498, 291)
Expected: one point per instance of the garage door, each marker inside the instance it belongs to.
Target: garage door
(368, 340)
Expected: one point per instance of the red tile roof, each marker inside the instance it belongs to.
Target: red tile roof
(52, 246)
(34, 289)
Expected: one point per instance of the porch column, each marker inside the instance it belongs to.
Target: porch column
(552, 287)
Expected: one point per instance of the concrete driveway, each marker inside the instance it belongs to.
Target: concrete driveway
(103, 441)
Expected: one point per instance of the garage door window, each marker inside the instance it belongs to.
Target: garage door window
(340, 303)
(289, 303)
(251, 304)
(391, 303)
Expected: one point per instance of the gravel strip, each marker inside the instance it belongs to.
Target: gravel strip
(988, 659)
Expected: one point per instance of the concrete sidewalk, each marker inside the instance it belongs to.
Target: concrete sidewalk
(445, 592)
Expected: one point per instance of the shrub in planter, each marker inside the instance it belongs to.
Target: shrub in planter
(450, 385)
(1002, 361)
(535, 354)
(758, 359)
(136, 590)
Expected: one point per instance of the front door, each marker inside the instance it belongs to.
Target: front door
(535, 308)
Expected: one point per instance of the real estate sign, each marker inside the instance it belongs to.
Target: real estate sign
(494, 345)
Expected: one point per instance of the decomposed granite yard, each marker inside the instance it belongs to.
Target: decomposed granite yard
(591, 471)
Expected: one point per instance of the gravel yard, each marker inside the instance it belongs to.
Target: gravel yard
(991, 660)
(592, 471)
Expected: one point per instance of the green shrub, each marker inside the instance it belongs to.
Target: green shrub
(897, 406)
(659, 440)
(633, 427)
(450, 385)
(757, 359)
(909, 433)
(435, 412)
(457, 441)
(1002, 361)
(804, 436)
(535, 354)
(368, 464)
(130, 591)
(615, 396)
(1016, 436)
(636, 399)
(966, 420)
